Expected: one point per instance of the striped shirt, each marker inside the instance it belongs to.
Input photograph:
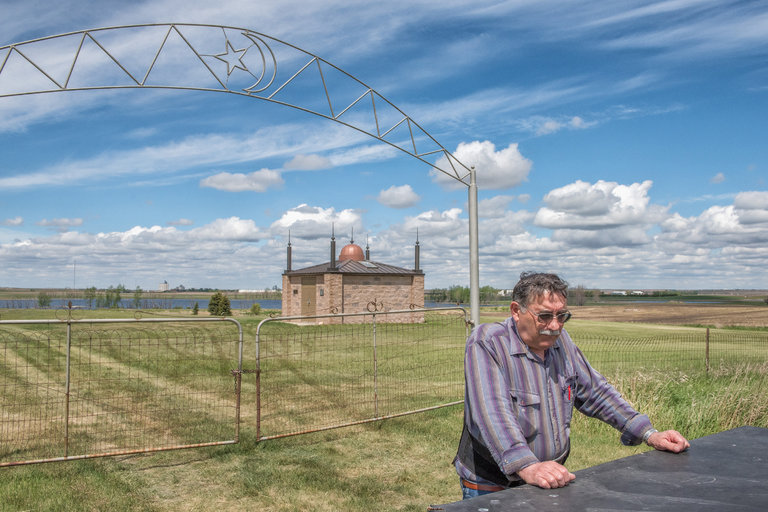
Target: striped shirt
(520, 406)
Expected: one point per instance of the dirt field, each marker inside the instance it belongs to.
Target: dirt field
(676, 314)
(715, 315)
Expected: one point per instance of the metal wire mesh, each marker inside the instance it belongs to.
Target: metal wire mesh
(81, 389)
(128, 388)
(314, 377)
(32, 394)
(673, 349)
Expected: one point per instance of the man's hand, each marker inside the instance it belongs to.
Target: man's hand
(547, 475)
(669, 441)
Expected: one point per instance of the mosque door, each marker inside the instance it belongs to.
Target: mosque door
(308, 296)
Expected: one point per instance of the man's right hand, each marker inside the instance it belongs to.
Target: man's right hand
(547, 475)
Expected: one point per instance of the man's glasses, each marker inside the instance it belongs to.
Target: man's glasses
(547, 317)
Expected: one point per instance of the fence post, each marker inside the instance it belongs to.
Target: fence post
(375, 372)
(706, 356)
(67, 382)
(258, 382)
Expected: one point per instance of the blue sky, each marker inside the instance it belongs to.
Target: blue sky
(620, 144)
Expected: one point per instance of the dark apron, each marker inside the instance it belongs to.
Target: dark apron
(477, 458)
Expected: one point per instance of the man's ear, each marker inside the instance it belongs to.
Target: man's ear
(515, 310)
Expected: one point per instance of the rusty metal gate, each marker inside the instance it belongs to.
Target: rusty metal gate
(75, 389)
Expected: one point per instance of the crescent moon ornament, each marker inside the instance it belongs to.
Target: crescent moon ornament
(258, 42)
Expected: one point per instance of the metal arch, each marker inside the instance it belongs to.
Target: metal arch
(256, 77)
(101, 52)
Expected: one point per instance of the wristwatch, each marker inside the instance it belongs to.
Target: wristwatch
(648, 434)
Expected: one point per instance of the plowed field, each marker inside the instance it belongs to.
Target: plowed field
(715, 315)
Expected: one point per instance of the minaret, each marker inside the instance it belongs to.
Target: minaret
(367, 250)
(416, 251)
(333, 249)
(288, 268)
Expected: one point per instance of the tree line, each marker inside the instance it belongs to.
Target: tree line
(460, 294)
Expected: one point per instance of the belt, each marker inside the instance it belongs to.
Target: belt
(481, 487)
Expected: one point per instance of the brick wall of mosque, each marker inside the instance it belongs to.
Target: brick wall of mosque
(339, 293)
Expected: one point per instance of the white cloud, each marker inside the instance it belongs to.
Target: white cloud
(446, 223)
(720, 227)
(307, 163)
(401, 196)
(495, 169)
(494, 207)
(540, 125)
(15, 221)
(312, 222)
(61, 224)
(717, 178)
(180, 222)
(257, 181)
(582, 205)
(751, 200)
(233, 228)
(624, 236)
(195, 151)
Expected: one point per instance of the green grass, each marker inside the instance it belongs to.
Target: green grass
(401, 464)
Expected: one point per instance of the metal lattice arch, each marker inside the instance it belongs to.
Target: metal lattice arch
(232, 60)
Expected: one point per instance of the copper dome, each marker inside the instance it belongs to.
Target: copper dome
(351, 252)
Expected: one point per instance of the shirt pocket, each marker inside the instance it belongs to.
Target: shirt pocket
(568, 394)
(527, 409)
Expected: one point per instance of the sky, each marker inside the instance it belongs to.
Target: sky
(621, 145)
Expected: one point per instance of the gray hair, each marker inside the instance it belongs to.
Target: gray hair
(536, 284)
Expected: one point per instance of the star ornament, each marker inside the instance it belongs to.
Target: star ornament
(233, 58)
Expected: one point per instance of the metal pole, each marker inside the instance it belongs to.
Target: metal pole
(375, 372)
(474, 258)
(258, 381)
(67, 382)
(706, 351)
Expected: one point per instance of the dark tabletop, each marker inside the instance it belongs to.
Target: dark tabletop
(722, 472)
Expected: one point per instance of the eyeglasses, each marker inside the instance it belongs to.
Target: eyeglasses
(547, 317)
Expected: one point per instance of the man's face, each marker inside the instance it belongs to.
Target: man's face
(539, 336)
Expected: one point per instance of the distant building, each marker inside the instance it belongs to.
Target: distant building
(163, 287)
(618, 292)
(637, 292)
(353, 284)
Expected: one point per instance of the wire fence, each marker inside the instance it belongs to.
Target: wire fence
(320, 376)
(87, 388)
(72, 390)
(688, 350)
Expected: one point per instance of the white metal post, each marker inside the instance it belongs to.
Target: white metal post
(474, 258)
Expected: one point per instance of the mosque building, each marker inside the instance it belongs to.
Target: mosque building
(353, 283)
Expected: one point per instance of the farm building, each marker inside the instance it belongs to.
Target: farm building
(353, 283)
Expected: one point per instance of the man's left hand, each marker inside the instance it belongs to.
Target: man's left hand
(669, 441)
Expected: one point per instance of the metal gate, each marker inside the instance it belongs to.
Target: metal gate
(76, 389)
(328, 371)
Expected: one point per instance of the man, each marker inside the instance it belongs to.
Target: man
(523, 378)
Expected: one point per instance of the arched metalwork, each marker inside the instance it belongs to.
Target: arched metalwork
(219, 59)
(227, 59)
